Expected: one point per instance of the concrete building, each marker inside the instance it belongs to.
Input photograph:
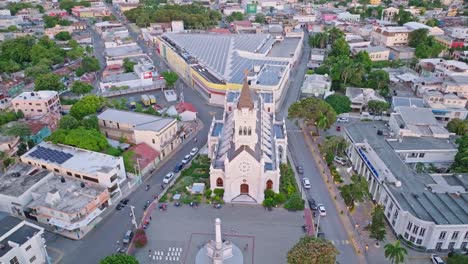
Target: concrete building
(21, 242)
(316, 85)
(432, 31)
(92, 167)
(162, 134)
(390, 36)
(317, 56)
(376, 53)
(37, 103)
(455, 84)
(437, 67)
(9, 144)
(247, 147)
(423, 209)
(7, 21)
(216, 68)
(404, 53)
(360, 97)
(145, 158)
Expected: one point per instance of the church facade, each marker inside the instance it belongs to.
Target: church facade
(246, 147)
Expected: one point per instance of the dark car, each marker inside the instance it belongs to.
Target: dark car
(178, 167)
(124, 201)
(312, 204)
(300, 170)
(120, 206)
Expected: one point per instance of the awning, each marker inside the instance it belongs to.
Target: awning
(72, 226)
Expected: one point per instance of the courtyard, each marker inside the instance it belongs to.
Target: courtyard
(176, 235)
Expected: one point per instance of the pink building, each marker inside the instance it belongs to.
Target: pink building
(56, 12)
(328, 16)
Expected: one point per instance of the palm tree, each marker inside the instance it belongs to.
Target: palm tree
(322, 121)
(395, 253)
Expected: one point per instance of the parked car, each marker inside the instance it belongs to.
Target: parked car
(300, 170)
(306, 183)
(342, 120)
(436, 259)
(194, 152)
(124, 201)
(338, 128)
(178, 167)
(132, 103)
(321, 209)
(168, 178)
(186, 159)
(119, 206)
(340, 160)
(312, 204)
(128, 237)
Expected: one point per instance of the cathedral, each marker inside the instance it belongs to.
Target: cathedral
(247, 147)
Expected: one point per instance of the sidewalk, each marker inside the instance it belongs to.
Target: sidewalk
(359, 248)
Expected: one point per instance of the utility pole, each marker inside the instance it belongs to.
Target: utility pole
(132, 208)
(318, 225)
(139, 176)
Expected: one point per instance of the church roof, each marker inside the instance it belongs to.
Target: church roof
(245, 98)
(248, 150)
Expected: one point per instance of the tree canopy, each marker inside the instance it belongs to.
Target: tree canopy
(260, 18)
(426, 46)
(63, 36)
(87, 105)
(461, 159)
(170, 77)
(379, 80)
(313, 110)
(377, 107)
(457, 259)
(119, 259)
(340, 103)
(195, 16)
(79, 87)
(356, 191)
(48, 81)
(128, 65)
(395, 252)
(458, 126)
(16, 129)
(68, 122)
(52, 21)
(80, 137)
(311, 250)
(403, 17)
(235, 16)
(69, 4)
(377, 226)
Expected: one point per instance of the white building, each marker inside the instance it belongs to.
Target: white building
(247, 147)
(37, 103)
(426, 210)
(360, 97)
(21, 242)
(92, 167)
(316, 85)
(142, 75)
(437, 67)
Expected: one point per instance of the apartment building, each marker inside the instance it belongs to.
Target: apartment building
(91, 167)
(37, 103)
(456, 84)
(437, 67)
(376, 53)
(162, 134)
(390, 36)
(21, 242)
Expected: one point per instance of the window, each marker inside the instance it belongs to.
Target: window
(390, 207)
(240, 130)
(438, 246)
(406, 235)
(269, 184)
(421, 155)
(409, 226)
(90, 179)
(451, 245)
(56, 170)
(77, 176)
(466, 235)
(219, 182)
(14, 260)
(393, 223)
(43, 166)
(154, 141)
(395, 215)
(31, 260)
(385, 200)
(422, 231)
(418, 241)
(415, 229)
(464, 245)
(28, 247)
(455, 235)
(412, 239)
(69, 173)
(442, 235)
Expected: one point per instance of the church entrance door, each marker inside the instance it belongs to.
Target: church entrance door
(244, 188)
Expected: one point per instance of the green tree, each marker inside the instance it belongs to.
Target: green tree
(318, 40)
(311, 250)
(335, 145)
(90, 64)
(87, 105)
(356, 191)
(80, 88)
(295, 202)
(90, 122)
(457, 259)
(458, 126)
(377, 226)
(235, 16)
(35, 71)
(417, 37)
(128, 65)
(340, 103)
(63, 36)
(403, 17)
(12, 28)
(395, 252)
(260, 18)
(68, 122)
(334, 34)
(363, 58)
(379, 80)
(48, 81)
(80, 137)
(119, 259)
(377, 107)
(170, 77)
(429, 49)
(16, 129)
(311, 110)
(432, 22)
(340, 48)
(461, 158)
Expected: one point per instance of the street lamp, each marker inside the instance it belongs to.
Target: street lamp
(318, 225)
(132, 208)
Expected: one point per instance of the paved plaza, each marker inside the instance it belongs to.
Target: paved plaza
(176, 235)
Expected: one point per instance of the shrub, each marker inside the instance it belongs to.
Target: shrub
(208, 193)
(140, 238)
(269, 202)
(217, 199)
(280, 198)
(163, 198)
(186, 199)
(269, 193)
(295, 202)
(219, 192)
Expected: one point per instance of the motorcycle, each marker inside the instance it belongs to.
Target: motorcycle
(177, 204)
(147, 187)
(217, 206)
(194, 204)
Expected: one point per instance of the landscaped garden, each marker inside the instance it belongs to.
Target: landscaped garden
(289, 195)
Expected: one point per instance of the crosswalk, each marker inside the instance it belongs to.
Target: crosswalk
(172, 254)
(340, 242)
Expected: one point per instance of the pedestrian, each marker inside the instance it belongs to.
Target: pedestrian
(150, 218)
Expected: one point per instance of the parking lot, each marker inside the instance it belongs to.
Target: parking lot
(176, 235)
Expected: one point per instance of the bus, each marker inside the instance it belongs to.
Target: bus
(145, 100)
(152, 99)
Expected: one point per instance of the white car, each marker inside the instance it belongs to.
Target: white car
(194, 152)
(342, 120)
(168, 178)
(322, 210)
(186, 159)
(306, 183)
(436, 259)
(340, 160)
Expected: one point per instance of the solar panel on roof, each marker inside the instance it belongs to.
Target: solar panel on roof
(52, 155)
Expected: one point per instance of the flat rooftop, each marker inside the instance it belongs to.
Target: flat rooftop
(139, 121)
(285, 48)
(122, 77)
(73, 197)
(19, 236)
(414, 194)
(123, 51)
(84, 161)
(19, 178)
(36, 95)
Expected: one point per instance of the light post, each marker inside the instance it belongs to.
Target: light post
(318, 225)
(139, 176)
(132, 208)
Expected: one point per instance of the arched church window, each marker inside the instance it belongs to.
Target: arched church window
(219, 182)
(245, 130)
(240, 130)
(269, 184)
(250, 131)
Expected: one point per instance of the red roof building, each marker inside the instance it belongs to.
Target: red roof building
(186, 111)
(145, 156)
